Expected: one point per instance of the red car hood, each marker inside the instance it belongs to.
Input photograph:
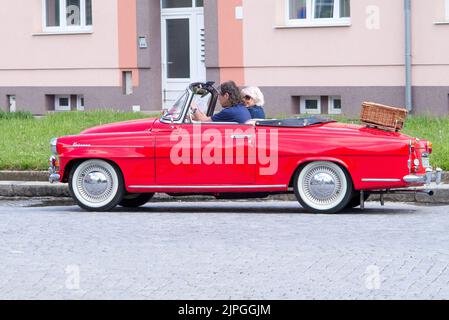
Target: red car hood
(126, 126)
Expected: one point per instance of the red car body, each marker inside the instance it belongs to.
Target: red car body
(141, 150)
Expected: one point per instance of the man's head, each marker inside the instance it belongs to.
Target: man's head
(229, 94)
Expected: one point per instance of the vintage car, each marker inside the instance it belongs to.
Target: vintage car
(328, 165)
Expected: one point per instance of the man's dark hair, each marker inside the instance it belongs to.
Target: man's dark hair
(231, 88)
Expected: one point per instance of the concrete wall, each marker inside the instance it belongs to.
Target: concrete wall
(363, 61)
(39, 64)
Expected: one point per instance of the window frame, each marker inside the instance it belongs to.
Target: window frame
(194, 5)
(80, 103)
(302, 104)
(63, 27)
(331, 109)
(127, 82)
(58, 106)
(311, 21)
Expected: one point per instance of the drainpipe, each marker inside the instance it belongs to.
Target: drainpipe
(408, 56)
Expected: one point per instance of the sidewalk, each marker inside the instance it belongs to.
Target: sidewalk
(46, 189)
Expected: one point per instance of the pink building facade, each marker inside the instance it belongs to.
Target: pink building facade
(307, 56)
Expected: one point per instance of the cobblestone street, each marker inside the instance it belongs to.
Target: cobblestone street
(224, 250)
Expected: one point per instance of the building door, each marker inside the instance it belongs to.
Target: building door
(12, 103)
(183, 55)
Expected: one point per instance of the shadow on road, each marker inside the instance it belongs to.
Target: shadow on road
(234, 207)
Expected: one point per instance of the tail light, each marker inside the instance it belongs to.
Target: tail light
(412, 146)
(429, 147)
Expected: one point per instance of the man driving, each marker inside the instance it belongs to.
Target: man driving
(233, 109)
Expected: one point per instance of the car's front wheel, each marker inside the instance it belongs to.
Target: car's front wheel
(96, 185)
(323, 187)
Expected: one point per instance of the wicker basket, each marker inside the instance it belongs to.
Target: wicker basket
(382, 116)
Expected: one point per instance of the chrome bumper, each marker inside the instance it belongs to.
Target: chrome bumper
(428, 178)
(52, 171)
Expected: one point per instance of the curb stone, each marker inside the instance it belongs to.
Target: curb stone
(24, 176)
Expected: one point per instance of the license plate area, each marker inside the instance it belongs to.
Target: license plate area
(425, 162)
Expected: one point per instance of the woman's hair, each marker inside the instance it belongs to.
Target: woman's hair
(234, 92)
(256, 94)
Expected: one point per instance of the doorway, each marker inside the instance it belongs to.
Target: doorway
(183, 47)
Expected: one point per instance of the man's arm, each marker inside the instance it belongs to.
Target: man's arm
(200, 116)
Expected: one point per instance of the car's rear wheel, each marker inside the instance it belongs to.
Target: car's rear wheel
(134, 200)
(96, 185)
(323, 187)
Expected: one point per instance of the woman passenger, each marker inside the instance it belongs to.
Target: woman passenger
(254, 100)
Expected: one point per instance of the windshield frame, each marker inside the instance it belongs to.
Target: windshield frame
(191, 93)
(180, 119)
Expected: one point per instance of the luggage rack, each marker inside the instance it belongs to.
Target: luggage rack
(396, 128)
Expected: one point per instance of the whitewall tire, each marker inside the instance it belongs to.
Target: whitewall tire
(323, 187)
(96, 185)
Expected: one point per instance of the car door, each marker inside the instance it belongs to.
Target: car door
(207, 154)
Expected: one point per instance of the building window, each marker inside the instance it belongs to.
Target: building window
(127, 82)
(67, 15)
(62, 103)
(334, 105)
(169, 4)
(12, 103)
(318, 12)
(80, 103)
(310, 105)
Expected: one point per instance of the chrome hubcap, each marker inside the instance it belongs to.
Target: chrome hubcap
(95, 184)
(322, 185)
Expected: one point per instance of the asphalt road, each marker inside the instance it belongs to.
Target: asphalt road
(223, 250)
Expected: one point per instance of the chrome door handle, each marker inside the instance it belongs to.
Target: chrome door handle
(241, 136)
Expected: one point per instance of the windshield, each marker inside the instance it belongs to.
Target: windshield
(201, 101)
(175, 112)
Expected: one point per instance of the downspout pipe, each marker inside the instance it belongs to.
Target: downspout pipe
(408, 55)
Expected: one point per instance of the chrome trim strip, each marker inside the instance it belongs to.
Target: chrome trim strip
(91, 146)
(241, 136)
(212, 187)
(381, 180)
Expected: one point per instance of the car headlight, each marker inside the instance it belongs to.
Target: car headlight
(53, 143)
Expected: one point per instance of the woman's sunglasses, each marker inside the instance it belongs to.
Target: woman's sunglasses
(247, 98)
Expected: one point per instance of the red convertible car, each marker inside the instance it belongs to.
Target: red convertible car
(329, 165)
